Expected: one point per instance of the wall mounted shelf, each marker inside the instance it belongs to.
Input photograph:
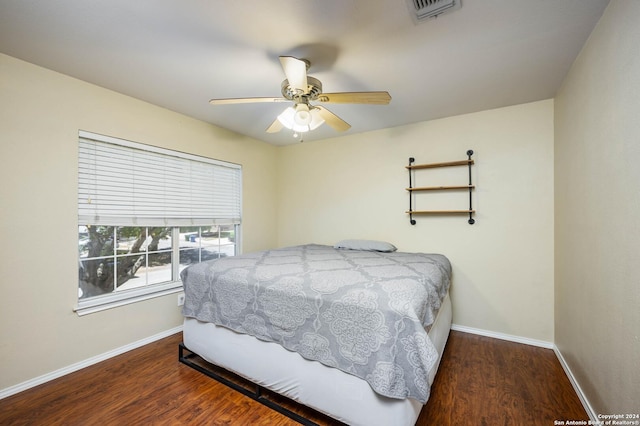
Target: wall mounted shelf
(469, 187)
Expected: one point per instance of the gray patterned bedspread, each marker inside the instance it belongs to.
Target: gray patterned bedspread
(360, 311)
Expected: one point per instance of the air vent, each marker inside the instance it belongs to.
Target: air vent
(424, 9)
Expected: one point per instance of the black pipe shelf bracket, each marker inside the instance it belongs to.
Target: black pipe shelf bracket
(470, 187)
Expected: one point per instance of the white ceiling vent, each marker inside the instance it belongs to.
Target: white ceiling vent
(422, 10)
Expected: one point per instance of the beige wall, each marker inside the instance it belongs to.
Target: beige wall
(597, 195)
(40, 115)
(354, 187)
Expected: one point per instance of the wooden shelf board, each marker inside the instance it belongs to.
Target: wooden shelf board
(439, 188)
(446, 164)
(440, 211)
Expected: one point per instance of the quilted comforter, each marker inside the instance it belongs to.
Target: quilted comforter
(365, 313)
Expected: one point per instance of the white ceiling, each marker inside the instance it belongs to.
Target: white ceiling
(180, 53)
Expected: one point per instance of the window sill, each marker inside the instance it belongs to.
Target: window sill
(114, 300)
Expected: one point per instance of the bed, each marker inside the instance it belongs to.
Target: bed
(355, 330)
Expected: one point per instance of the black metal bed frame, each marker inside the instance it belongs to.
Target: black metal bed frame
(257, 394)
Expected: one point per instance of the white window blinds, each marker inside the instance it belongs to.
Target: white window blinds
(126, 183)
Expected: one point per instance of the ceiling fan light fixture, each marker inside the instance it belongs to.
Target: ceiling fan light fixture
(302, 116)
(301, 119)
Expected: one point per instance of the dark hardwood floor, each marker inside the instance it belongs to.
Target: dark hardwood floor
(481, 381)
(484, 381)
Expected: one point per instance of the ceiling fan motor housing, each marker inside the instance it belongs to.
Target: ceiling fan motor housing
(314, 89)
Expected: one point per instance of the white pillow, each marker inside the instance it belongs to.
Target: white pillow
(368, 245)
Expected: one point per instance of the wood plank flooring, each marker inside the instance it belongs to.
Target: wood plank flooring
(481, 381)
(484, 381)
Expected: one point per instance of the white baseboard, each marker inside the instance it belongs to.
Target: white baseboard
(540, 343)
(576, 386)
(502, 336)
(86, 363)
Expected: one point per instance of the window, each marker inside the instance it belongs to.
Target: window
(145, 213)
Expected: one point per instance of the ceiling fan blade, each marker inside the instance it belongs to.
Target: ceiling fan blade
(371, 98)
(228, 101)
(296, 71)
(333, 120)
(275, 127)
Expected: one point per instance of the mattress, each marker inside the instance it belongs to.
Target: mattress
(338, 394)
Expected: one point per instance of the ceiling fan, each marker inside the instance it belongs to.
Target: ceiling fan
(302, 89)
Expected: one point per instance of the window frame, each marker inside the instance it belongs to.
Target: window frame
(148, 291)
